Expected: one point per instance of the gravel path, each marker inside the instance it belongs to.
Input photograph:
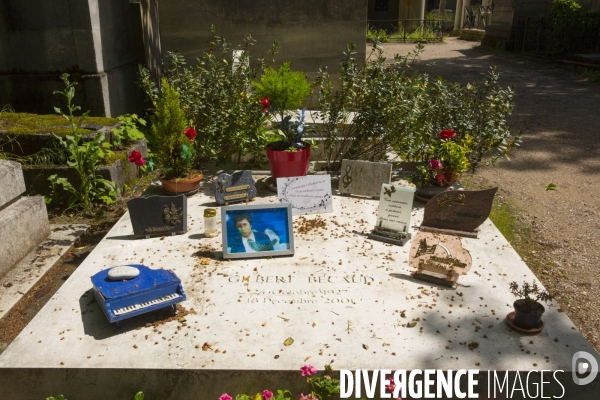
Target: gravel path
(559, 115)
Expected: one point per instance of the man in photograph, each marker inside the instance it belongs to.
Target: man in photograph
(250, 240)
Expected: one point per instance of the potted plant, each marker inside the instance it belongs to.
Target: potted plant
(281, 91)
(528, 310)
(447, 160)
(174, 144)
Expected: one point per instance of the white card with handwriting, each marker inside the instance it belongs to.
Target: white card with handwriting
(307, 194)
(395, 207)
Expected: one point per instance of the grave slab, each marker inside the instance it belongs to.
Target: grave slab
(25, 275)
(341, 296)
(23, 225)
(11, 181)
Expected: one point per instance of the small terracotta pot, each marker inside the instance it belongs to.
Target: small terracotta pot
(181, 186)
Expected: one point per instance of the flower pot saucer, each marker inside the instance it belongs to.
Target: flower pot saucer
(510, 319)
(271, 184)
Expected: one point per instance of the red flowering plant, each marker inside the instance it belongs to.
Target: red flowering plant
(446, 158)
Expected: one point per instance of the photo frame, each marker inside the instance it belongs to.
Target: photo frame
(252, 231)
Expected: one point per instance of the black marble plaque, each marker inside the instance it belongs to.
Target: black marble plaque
(158, 215)
(238, 186)
(458, 211)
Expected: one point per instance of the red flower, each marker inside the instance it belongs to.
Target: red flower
(447, 134)
(190, 133)
(136, 157)
(435, 164)
(440, 177)
(265, 103)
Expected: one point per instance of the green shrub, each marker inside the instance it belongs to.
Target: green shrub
(286, 89)
(85, 157)
(479, 111)
(168, 126)
(375, 35)
(564, 8)
(218, 100)
(361, 111)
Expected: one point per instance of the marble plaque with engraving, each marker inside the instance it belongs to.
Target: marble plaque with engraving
(307, 194)
(459, 212)
(158, 215)
(236, 187)
(364, 178)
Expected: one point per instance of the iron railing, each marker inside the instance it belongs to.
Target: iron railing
(477, 17)
(558, 36)
(419, 30)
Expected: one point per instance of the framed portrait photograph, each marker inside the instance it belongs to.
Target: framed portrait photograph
(264, 230)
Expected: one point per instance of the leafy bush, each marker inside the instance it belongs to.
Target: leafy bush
(216, 97)
(286, 89)
(128, 132)
(479, 111)
(375, 35)
(85, 157)
(370, 101)
(563, 8)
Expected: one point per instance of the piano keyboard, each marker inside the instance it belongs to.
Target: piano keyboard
(134, 307)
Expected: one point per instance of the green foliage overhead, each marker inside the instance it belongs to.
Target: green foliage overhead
(168, 126)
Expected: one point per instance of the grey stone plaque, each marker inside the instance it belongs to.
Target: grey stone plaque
(364, 178)
(236, 187)
(459, 211)
(158, 215)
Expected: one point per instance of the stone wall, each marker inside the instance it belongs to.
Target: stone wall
(310, 33)
(92, 39)
(505, 14)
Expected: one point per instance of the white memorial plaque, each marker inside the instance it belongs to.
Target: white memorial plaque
(395, 207)
(307, 194)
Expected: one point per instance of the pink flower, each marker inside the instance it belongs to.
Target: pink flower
(267, 395)
(265, 103)
(391, 386)
(308, 370)
(303, 396)
(190, 133)
(225, 396)
(136, 157)
(435, 164)
(447, 134)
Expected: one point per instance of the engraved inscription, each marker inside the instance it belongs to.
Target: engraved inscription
(236, 196)
(159, 229)
(236, 188)
(274, 289)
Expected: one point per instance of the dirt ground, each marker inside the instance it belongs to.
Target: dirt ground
(558, 113)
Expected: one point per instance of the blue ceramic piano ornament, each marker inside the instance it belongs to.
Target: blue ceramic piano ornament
(129, 290)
